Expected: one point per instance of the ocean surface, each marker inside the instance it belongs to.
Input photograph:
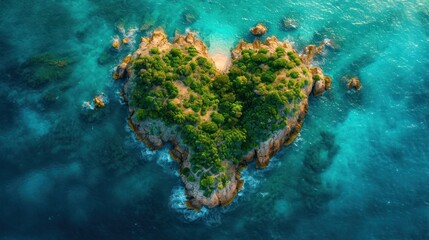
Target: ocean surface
(358, 170)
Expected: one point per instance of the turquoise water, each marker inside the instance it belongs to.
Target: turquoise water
(71, 174)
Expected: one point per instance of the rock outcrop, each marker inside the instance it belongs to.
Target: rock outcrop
(99, 101)
(354, 83)
(258, 30)
(321, 82)
(123, 70)
(116, 43)
(155, 133)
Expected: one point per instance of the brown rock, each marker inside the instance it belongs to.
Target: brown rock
(250, 156)
(310, 52)
(256, 44)
(328, 82)
(190, 38)
(178, 154)
(180, 40)
(354, 83)
(258, 30)
(98, 101)
(116, 43)
(319, 88)
(272, 41)
(122, 71)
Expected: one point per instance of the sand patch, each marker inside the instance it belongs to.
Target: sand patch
(222, 60)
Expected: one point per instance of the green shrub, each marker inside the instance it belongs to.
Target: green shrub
(263, 51)
(204, 63)
(207, 181)
(280, 51)
(290, 65)
(141, 114)
(260, 58)
(294, 74)
(192, 51)
(186, 171)
(209, 127)
(279, 63)
(191, 178)
(172, 90)
(305, 71)
(154, 51)
(184, 70)
(268, 77)
(175, 52)
(217, 118)
(193, 118)
(316, 77)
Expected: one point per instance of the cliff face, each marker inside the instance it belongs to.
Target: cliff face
(155, 133)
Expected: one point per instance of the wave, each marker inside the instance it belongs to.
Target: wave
(177, 203)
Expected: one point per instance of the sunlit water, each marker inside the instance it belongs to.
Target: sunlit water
(67, 174)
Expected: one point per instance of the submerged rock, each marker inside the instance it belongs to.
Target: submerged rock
(41, 69)
(258, 30)
(289, 24)
(146, 26)
(190, 16)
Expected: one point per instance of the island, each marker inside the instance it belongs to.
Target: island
(216, 121)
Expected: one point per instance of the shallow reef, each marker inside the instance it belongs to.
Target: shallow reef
(41, 69)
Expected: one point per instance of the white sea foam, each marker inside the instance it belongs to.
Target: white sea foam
(167, 163)
(177, 202)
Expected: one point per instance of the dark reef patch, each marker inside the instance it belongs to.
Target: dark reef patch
(9, 111)
(317, 160)
(115, 156)
(190, 16)
(41, 69)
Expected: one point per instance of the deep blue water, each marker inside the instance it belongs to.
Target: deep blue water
(67, 174)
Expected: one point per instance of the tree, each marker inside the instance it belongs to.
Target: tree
(221, 84)
(141, 114)
(294, 74)
(154, 51)
(209, 127)
(171, 90)
(279, 63)
(217, 118)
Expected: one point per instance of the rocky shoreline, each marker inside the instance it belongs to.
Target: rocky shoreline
(155, 134)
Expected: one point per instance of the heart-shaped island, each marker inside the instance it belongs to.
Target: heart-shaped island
(217, 121)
